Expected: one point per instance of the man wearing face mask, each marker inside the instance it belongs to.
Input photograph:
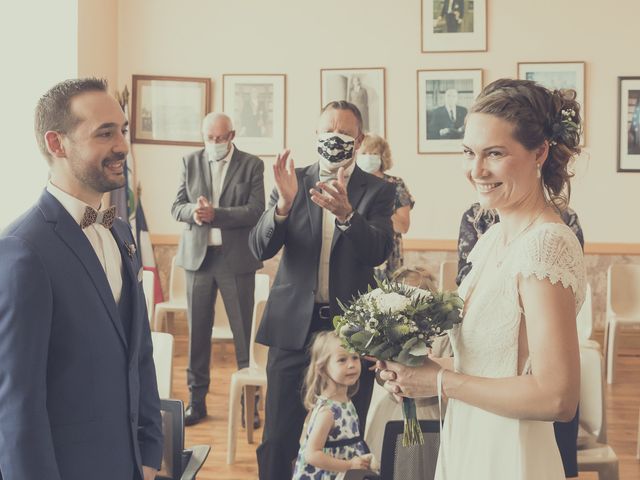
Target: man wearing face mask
(334, 222)
(220, 198)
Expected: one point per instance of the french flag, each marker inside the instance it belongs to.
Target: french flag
(146, 251)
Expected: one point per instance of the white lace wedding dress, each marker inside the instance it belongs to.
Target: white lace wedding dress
(476, 444)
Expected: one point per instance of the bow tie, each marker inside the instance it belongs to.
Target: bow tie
(103, 217)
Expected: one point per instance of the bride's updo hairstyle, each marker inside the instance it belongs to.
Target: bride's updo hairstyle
(538, 114)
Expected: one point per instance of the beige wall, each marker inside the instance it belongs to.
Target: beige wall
(208, 38)
(98, 40)
(37, 48)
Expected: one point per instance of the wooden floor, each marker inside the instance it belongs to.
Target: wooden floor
(623, 402)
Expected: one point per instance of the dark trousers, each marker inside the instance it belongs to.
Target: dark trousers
(285, 413)
(452, 22)
(567, 440)
(202, 289)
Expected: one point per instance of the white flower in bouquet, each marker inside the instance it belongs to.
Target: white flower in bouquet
(399, 323)
(392, 302)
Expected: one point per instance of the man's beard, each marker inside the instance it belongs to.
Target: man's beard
(97, 179)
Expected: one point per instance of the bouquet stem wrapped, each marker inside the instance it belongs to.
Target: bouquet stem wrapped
(412, 434)
(398, 322)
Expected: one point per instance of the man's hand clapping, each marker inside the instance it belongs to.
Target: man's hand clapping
(284, 174)
(333, 196)
(204, 213)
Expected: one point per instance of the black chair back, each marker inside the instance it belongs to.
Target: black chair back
(173, 431)
(418, 461)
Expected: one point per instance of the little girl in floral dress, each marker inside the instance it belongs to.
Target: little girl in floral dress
(331, 442)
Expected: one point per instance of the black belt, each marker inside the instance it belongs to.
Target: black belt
(342, 443)
(321, 318)
(323, 310)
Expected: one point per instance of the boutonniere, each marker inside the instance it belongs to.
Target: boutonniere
(131, 249)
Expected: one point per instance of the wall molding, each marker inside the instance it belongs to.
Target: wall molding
(424, 245)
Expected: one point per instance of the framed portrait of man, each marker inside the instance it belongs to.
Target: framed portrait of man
(558, 76)
(628, 124)
(444, 100)
(257, 105)
(453, 25)
(364, 87)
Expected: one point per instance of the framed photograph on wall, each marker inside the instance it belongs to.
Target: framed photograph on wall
(628, 124)
(444, 99)
(453, 26)
(257, 103)
(169, 110)
(558, 76)
(364, 87)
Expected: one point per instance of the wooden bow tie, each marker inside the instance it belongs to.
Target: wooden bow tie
(103, 217)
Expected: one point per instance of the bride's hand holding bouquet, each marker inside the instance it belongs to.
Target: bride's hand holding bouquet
(396, 324)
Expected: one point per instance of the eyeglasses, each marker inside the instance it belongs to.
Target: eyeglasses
(220, 138)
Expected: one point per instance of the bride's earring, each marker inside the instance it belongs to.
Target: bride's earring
(538, 174)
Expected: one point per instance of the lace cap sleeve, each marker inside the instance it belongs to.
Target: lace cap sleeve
(552, 251)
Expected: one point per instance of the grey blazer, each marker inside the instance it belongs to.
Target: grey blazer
(241, 204)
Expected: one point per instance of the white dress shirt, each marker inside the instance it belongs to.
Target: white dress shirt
(215, 234)
(100, 238)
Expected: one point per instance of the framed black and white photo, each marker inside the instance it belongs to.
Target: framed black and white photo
(628, 124)
(257, 105)
(364, 87)
(453, 25)
(444, 99)
(557, 76)
(169, 110)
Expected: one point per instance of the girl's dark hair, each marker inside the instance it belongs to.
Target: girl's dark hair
(538, 114)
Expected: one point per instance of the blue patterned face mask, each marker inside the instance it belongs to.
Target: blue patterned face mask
(335, 150)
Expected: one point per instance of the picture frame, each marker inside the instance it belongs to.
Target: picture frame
(169, 110)
(557, 76)
(628, 124)
(257, 103)
(444, 100)
(453, 26)
(364, 87)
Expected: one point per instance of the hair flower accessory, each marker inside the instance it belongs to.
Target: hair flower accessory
(565, 127)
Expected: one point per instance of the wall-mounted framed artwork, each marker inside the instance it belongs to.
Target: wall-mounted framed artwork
(444, 99)
(558, 76)
(628, 124)
(453, 26)
(169, 110)
(364, 87)
(257, 103)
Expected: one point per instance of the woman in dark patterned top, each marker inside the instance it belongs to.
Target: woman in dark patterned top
(374, 157)
(474, 223)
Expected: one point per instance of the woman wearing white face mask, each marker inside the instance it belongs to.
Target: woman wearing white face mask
(374, 157)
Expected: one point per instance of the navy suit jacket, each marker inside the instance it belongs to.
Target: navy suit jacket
(354, 253)
(78, 397)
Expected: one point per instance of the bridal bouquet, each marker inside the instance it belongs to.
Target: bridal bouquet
(398, 322)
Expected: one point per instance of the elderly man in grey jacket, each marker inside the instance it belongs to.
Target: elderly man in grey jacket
(220, 199)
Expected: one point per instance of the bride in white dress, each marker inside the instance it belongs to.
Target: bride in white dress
(516, 360)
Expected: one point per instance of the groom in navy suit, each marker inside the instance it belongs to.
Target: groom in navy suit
(78, 393)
